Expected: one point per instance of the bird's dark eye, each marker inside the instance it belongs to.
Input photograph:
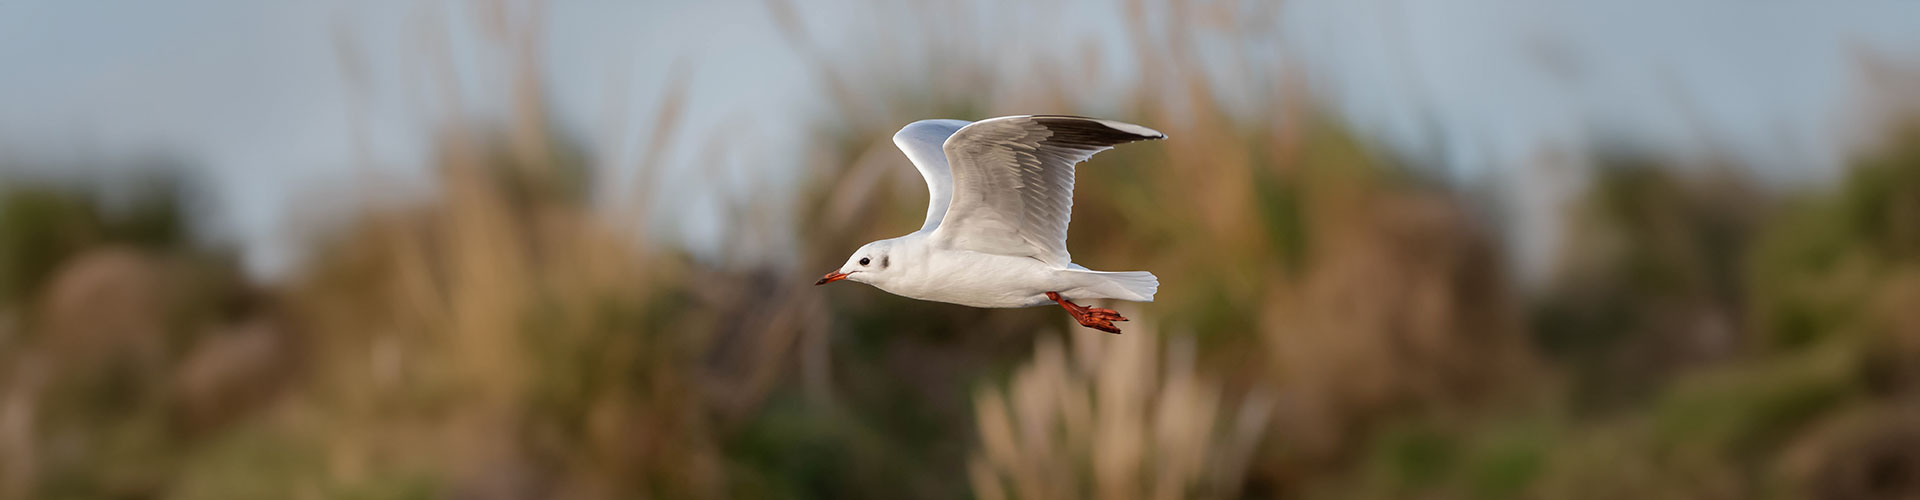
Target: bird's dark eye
(864, 261)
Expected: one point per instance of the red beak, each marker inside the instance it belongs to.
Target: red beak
(831, 277)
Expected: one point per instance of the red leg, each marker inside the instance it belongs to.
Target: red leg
(1090, 317)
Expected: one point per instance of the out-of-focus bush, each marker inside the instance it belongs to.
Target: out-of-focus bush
(1652, 283)
(1398, 306)
(505, 343)
(1792, 378)
(115, 321)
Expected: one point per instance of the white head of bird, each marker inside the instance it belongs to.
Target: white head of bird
(871, 264)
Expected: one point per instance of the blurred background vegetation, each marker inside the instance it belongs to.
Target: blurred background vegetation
(1334, 320)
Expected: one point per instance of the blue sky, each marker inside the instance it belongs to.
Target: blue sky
(254, 92)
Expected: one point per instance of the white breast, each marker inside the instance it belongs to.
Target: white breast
(977, 279)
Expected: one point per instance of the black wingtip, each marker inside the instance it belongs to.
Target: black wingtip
(1095, 130)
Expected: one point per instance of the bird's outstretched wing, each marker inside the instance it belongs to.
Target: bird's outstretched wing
(921, 142)
(1012, 182)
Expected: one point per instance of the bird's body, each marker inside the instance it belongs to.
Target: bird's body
(979, 279)
(1000, 194)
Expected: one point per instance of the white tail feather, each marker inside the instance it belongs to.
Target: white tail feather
(1137, 286)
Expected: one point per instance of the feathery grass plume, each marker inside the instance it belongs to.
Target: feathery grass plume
(1120, 418)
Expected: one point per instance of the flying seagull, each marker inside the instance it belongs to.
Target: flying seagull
(1000, 193)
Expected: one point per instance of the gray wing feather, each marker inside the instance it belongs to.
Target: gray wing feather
(1013, 181)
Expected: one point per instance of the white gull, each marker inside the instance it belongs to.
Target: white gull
(1000, 194)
